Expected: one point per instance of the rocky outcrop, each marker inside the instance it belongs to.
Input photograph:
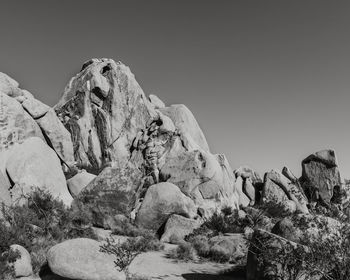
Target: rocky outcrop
(112, 123)
(22, 116)
(160, 202)
(280, 190)
(320, 176)
(82, 259)
(33, 164)
(104, 108)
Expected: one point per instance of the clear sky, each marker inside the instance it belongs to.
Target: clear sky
(268, 81)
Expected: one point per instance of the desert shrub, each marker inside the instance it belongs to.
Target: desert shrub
(126, 252)
(7, 258)
(183, 252)
(227, 210)
(219, 254)
(326, 255)
(39, 224)
(201, 244)
(128, 229)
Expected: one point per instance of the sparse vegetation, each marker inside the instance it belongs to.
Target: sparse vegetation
(326, 255)
(39, 224)
(184, 252)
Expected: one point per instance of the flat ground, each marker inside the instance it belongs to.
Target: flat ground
(157, 265)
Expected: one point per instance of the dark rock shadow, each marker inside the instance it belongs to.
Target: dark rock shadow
(237, 273)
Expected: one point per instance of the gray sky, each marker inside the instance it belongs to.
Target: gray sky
(268, 81)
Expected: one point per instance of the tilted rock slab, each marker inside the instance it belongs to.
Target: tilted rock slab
(33, 164)
(81, 259)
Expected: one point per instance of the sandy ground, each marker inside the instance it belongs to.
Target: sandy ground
(156, 265)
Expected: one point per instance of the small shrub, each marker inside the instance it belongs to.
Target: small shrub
(201, 244)
(183, 252)
(227, 210)
(39, 224)
(127, 251)
(7, 258)
(219, 254)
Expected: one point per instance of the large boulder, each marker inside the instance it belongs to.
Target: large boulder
(114, 191)
(280, 190)
(205, 177)
(16, 124)
(186, 124)
(33, 164)
(177, 227)
(306, 228)
(23, 264)
(79, 181)
(57, 136)
(81, 259)
(320, 176)
(161, 201)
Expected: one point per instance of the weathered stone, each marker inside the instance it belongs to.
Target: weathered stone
(249, 190)
(33, 164)
(5, 186)
(7, 84)
(186, 124)
(243, 199)
(247, 172)
(320, 175)
(277, 188)
(104, 108)
(155, 100)
(23, 265)
(35, 108)
(81, 258)
(57, 136)
(114, 191)
(177, 227)
(161, 201)
(77, 183)
(16, 124)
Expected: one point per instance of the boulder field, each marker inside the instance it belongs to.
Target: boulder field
(108, 150)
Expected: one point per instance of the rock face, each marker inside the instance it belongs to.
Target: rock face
(320, 176)
(112, 123)
(279, 189)
(103, 107)
(22, 265)
(22, 116)
(81, 259)
(33, 164)
(161, 201)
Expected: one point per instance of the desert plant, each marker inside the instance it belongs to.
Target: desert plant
(326, 255)
(183, 252)
(39, 224)
(126, 252)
